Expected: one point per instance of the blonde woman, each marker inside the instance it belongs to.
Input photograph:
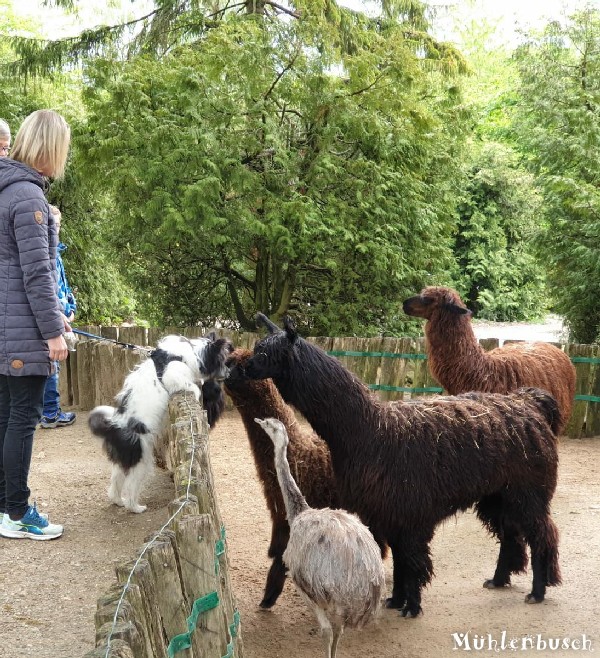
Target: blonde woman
(4, 139)
(29, 311)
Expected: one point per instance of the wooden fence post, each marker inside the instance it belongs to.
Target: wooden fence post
(140, 582)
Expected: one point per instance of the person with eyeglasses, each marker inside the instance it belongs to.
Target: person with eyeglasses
(4, 138)
(32, 321)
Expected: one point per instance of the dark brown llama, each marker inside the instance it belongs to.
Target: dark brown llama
(405, 467)
(460, 364)
(308, 456)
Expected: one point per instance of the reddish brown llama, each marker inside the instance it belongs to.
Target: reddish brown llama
(308, 456)
(460, 364)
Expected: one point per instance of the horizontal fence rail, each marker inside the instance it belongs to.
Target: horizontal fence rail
(438, 389)
(393, 368)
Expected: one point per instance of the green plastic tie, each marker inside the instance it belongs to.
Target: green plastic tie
(587, 398)
(233, 631)
(184, 640)
(387, 355)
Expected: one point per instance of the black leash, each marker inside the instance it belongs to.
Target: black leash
(129, 346)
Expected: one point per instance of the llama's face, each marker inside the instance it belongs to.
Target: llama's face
(213, 401)
(236, 363)
(418, 306)
(432, 299)
(271, 357)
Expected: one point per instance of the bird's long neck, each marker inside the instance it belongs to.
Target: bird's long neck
(295, 503)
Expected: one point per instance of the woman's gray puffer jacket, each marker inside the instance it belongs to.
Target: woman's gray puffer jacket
(29, 311)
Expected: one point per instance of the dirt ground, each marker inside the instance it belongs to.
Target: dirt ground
(48, 590)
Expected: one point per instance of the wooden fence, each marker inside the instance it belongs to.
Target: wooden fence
(175, 598)
(395, 368)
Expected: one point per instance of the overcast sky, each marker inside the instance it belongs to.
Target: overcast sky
(510, 14)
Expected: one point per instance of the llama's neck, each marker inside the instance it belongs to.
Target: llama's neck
(294, 501)
(261, 400)
(335, 403)
(452, 348)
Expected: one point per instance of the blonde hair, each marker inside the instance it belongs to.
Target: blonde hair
(4, 130)
(42, 142)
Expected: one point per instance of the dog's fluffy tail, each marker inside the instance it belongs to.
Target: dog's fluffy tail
(122, 444)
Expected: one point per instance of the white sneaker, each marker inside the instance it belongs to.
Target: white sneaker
(32, 526)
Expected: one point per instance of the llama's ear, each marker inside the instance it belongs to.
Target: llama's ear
(212, 335)
(290, 328)
(261, 318)
(459, 310)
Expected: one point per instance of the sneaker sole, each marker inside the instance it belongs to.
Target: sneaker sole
(17, 534)
(48, 426)
(65, 424)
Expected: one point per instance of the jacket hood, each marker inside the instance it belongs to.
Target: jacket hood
(12, 171)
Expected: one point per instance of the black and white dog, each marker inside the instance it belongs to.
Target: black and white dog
(129, 431)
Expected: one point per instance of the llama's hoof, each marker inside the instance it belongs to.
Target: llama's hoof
(137, 509)
(267, 603)
(489, 584)
(396, 604)
(411, 614)
(532, 598)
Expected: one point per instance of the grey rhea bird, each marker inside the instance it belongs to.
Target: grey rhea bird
(331, 555)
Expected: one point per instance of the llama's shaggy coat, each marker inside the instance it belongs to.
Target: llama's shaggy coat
(404, 467)
(332, 557)
(308, 456)
(460, 364)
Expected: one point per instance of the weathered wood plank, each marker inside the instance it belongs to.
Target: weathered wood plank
(164, 565)
(118, 649)
(576, 425)
(142, 579)
(196, 547)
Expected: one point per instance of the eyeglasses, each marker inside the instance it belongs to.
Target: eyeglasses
(5, 149)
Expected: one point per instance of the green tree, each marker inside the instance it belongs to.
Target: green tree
(500, 278)
(263, 168)
(559, 131)
(102, 294)
(254, 160)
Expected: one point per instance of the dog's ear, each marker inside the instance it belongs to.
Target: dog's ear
(223, 344)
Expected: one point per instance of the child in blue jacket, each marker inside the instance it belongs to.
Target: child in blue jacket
(52, 415)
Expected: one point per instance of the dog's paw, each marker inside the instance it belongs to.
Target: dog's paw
(115, 499)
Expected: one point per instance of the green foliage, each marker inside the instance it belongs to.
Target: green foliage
(263, 168)
(91, 261)
(500, 276)
(559, 130)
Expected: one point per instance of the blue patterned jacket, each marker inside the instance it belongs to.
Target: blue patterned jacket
(66, 299)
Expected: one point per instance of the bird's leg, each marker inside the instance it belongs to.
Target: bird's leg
(326, 630)
(338, 629)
